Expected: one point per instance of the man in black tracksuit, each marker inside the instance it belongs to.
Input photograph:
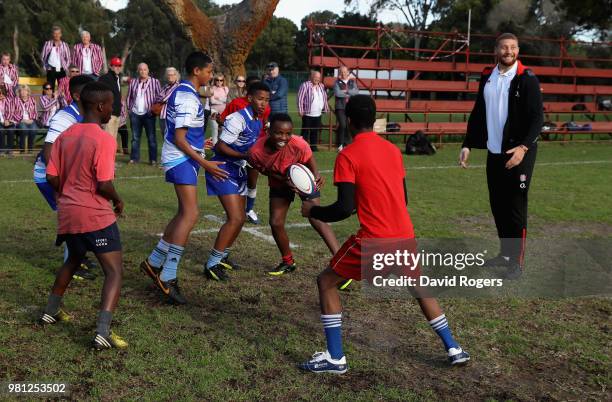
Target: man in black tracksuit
(507, 120)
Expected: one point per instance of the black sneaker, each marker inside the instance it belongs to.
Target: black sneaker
(172, 290)
(498, 261)
(47, 319)
(229, 264)
(83, 273)
(514, 272)
(108, 342)
(216, 273)
(344, 285)
(151, 271)
(282, 268)
(89, 264)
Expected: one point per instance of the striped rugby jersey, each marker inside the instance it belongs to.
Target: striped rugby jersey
(184, 110)
(240, 131)
(59, 123)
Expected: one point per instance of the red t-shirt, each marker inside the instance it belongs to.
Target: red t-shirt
(240, 103)
(82, 156)
(297, 150)
(376, 168)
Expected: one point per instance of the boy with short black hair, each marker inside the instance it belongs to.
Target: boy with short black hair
(272, 156)
(240, 131)
(60, 122)
(81, 169)
(370, 177)
(182, 157)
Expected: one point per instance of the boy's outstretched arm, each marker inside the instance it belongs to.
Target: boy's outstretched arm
(107, 190)
(339, 210)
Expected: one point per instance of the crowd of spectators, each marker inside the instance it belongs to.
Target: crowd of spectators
(22, 115)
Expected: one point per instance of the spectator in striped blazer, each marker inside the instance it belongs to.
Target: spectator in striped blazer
(63, 88)
(142, 93)
(9, 74)
(173, 79)
(55, 56)
(87, 56)
(7, 135)
(312, 102)
(24, 116)
(48, 104)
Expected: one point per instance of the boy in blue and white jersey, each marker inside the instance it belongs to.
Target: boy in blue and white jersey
(240, 131)
(182, 156)
(60, 122)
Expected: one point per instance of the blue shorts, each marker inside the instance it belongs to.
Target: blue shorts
(184, 173)
(47, 191)
(236, 183)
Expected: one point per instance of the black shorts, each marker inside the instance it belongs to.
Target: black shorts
(98, 242)
(288, 194)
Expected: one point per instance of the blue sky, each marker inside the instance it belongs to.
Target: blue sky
(295, 10)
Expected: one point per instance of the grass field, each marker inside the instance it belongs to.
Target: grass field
(241, 340)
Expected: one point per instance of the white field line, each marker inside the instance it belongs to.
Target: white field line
(435, 167)
(249, 229)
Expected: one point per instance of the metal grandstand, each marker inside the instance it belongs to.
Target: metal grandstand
(443, 72)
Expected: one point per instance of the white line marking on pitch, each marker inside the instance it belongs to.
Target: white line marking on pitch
(251, 230)
(568, 163)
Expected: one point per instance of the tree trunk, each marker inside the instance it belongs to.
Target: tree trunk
(127, 49)
(227, 38)
(16, 45)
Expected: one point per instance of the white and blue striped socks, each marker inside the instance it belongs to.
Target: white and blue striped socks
(171, 264)
(440, 325)
(159, 253)
(332, 324)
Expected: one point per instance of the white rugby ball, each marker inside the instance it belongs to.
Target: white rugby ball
(302, 178)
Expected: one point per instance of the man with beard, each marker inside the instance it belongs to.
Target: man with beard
(507, 120)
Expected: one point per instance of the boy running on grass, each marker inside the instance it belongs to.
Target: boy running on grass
(81, 169)
(272, 156)
(369, 174)
(240, 131)
(182, 156)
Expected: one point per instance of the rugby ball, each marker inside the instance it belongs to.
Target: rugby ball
(302, 178)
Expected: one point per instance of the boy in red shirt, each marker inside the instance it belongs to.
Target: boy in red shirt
(272, 155)
(369, 174)
(81, 169)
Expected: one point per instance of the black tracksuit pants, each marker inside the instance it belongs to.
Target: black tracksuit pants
(508, 190)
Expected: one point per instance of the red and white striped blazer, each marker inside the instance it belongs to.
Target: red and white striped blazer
(6, 108)
(97, 59)
(20, 106)
(46, 109)
(63, 90)
(164, 95)
(306, 97)
(64, 54)
(151, 88)
(13, 73)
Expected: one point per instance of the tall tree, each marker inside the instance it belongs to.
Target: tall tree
(227, 37)
(275, 43)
